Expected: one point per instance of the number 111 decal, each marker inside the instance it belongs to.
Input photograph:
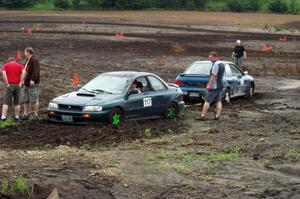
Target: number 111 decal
(147, 102)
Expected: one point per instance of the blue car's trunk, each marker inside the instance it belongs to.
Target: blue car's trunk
(192, 81)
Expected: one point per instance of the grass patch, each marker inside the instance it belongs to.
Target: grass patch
(268, 162)
(182, 169)
(19, 185)
(213, 131)
(279, 28)
(9, 122)
(293, 154)
(148, 133)
(4, 187)
(22, 186)
(221, 156)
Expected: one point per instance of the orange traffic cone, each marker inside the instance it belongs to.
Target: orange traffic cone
(265, 48)
(76, 80)
(120, 35)
(283, 38)
(19, 57)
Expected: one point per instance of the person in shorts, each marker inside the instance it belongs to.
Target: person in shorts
(214, 87)
(31, 83)
(13, 74)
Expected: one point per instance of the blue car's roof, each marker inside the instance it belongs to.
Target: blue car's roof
(225, 62)
(131, 74)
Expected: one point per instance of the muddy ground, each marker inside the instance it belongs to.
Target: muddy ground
(253, 152)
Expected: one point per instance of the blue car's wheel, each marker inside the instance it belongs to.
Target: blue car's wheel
(171, 111)
(116, 117)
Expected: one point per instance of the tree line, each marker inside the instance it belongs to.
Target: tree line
(276, 6)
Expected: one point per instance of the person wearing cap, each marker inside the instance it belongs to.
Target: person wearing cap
(13, 74)
(239, 53)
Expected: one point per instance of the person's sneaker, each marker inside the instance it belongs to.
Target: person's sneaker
(3, 120)
(217, 118)
(24, 117)
(35, 117)
(201, 118)
(17, 119)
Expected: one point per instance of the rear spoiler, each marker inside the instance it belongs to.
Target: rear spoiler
(193, 75)
(173, 85)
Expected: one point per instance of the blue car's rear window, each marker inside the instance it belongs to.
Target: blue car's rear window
(200, 68)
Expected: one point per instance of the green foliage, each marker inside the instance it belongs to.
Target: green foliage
(234, 6)
(278, 6)
(279, 28)
(76, 4)
(148, 133)
(9, 122)
(63, 4)
(4, 187)
(243, 5)
(96, 4)
(221, 156)
(17, 3)
(22, 185)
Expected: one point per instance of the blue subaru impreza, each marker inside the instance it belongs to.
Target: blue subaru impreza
(194, 79)
(115, 96)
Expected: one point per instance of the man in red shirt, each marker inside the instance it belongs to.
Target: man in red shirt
(13, 75)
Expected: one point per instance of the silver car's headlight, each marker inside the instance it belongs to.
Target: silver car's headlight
(92, 108)
(53, 105)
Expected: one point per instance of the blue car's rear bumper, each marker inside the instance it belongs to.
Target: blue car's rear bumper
(197, 93)
(75, 117)
(193, 92)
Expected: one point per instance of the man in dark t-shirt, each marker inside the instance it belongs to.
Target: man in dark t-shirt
(239, 52)
(31, 83)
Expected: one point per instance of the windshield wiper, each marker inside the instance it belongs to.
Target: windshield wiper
(101, 91)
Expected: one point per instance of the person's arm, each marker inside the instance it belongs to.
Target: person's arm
(232, 56)
(213, 78)
(211, 81)
(23, 75)
(245, 55)
(5, 79)
(34, 72)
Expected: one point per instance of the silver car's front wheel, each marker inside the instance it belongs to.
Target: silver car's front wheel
(227, 96)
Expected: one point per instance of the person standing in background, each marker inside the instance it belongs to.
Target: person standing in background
(239, 53)
(13, 74)
(31, 83)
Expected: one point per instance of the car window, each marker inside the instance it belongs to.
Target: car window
(228, 72)
(143, 84)
(156, 83)
(106, 83)
(199, 68)
(235, 71)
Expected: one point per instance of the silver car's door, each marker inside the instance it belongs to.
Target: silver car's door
(241, 87)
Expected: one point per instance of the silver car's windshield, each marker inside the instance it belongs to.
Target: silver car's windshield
(106, 84)
(199, 68)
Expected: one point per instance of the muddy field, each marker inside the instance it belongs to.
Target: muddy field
(253, 152)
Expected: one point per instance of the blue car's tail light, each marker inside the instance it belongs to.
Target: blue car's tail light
(179, 82)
